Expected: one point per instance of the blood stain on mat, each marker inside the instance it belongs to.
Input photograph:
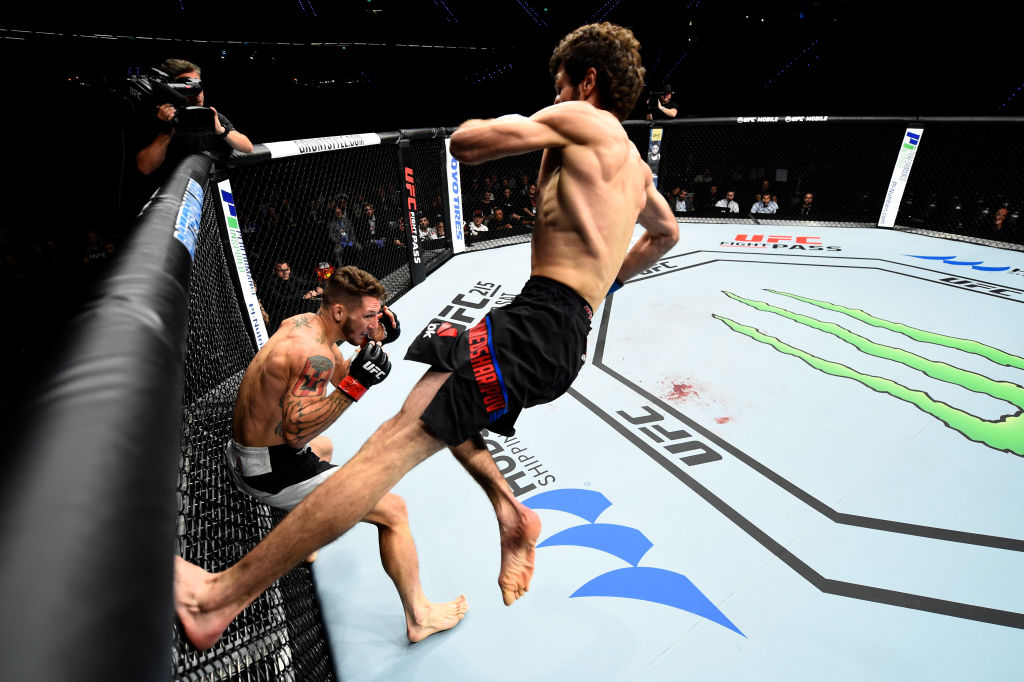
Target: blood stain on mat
(682, 392)
(723, 420)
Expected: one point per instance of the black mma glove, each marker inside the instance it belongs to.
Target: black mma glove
(370, 367)
(616, 285)
(391, 331)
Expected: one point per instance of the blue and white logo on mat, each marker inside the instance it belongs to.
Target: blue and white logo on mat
(655, 585)
(951, 260)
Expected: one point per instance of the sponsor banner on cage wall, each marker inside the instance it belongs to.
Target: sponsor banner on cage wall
(654, 153)
(452, 172)
(253, 309)
(315, 145)
(898, 183)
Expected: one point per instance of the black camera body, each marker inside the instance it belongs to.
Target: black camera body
(149, 91)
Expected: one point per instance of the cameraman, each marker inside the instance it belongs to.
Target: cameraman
(169, 141)
(660, 105)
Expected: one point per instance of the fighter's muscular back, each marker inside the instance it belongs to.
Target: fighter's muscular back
(592, 189)
(291, 369)
(589, 194)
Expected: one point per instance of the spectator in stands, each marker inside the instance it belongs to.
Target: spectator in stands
(1001, 226)
(507, 204)
(711, 197)
(660, 105)
(498, 223)
(287, 294)
(524, 182)
(529, 208)
(476, 225)
(806, 207)
(765, 205)
(680, 201)
(289, 219)
(341, 233)
(169, 142)
(704, 177)
(369, 230)
(426, 230)
(727, 204)
(486, 204)
(394, 233)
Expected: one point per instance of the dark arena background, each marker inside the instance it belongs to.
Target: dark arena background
(820, 380)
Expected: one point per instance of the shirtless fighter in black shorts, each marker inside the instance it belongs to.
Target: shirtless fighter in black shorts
(593, 188)
(278, 453)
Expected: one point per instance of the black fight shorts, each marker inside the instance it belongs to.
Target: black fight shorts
(523, 354)
(277, 475)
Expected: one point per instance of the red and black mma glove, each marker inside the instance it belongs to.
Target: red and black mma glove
(391, 331)
(370, 367)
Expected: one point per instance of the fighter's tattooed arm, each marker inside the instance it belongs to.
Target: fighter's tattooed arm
(306, 410)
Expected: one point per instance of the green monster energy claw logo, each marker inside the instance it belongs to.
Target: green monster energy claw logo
(1006, 433)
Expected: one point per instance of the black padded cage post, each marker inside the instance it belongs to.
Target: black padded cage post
(424, 153)
(88, 529)
(412, 239)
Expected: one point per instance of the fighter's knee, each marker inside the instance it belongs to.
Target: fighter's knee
(393, 510)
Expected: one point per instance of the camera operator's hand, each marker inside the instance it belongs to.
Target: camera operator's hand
(165, 112)
(217, 127)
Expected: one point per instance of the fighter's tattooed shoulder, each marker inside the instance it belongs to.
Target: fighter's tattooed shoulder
(313, 377)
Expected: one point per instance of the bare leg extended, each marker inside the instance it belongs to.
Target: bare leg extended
(323, 448)
(206, 603)
(518, 525)
(398, 555)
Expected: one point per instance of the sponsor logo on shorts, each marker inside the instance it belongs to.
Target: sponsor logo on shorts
(486, 370)
(441, 328)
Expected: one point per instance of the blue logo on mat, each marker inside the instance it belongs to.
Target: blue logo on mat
(633, 582)
(951, 260)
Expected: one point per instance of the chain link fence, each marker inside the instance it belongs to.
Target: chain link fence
(281, 635)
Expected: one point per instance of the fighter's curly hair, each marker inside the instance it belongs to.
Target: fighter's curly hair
(350, 282)
(614, 52)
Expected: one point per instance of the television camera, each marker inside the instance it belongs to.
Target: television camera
(148, 91)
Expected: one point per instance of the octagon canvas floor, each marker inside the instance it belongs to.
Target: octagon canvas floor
(795, 454)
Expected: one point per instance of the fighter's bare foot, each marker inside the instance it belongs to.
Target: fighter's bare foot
(203, 627)
(518, 544)
(435, 618)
